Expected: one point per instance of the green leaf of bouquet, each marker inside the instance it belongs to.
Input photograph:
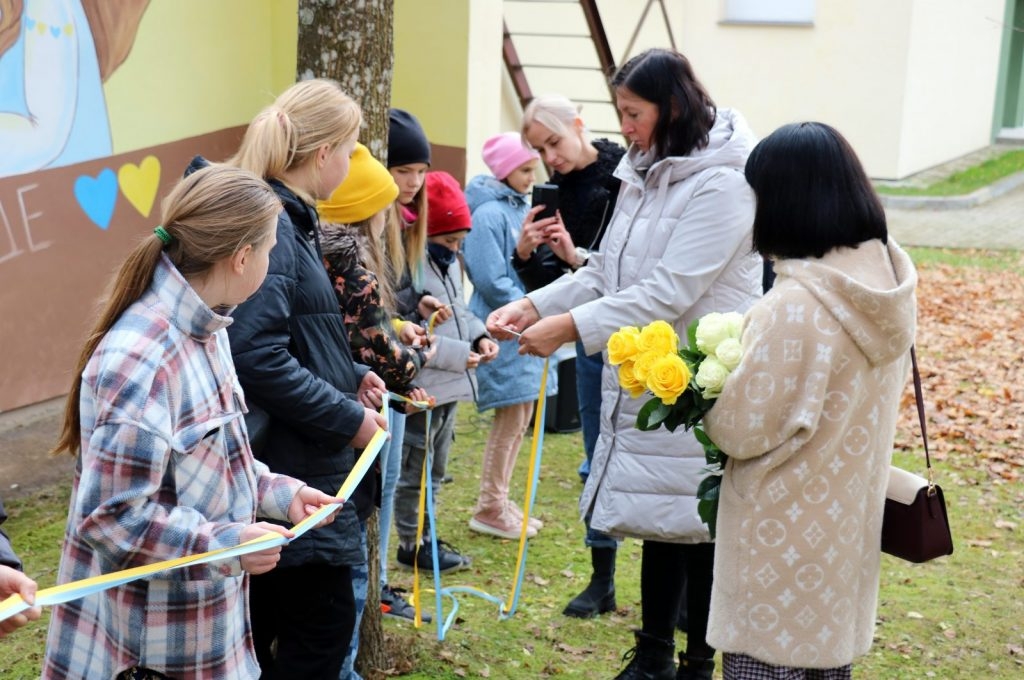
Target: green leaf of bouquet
(703, 437)
(691, 334)
(651, 414)
(709, 483)
(692, 357)
(675, 419)
(716, 457)
(708, 511)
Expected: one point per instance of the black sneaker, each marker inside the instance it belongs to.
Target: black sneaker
(394, 604)
(448, 558)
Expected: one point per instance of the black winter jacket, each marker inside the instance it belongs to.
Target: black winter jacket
(292, 356)
(7, 556)
(587, 201)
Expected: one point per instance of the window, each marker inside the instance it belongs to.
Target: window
(799, 12)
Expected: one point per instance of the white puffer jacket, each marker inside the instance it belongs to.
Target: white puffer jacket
(677, 248)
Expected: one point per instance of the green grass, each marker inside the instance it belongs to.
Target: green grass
(965, 181)
(989, 260)
(961, 616)
(36, 526)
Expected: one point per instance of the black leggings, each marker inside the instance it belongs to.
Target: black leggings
(662, 574)
(310, 611)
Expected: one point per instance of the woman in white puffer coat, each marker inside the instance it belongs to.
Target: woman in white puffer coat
(678, 247)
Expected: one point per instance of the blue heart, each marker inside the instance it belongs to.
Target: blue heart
(30, 23)
(97, 196)
(55, 31)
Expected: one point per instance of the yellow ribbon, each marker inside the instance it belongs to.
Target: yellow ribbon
(67, 592)
(432, 321)
(505, 610)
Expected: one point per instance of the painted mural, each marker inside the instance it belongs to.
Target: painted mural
(54, 57)
(97, 120)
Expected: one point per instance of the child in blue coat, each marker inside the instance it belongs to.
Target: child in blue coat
(508, 384)
(462, 346)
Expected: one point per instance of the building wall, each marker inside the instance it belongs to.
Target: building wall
(911, 83)
(448, 73)
(953, 69)
(196, 74)
(197, 66)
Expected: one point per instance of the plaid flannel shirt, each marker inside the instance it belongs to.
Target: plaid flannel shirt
(165, 471)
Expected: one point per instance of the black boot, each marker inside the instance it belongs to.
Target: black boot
(599, 595)
(651, 659)
(693, 668)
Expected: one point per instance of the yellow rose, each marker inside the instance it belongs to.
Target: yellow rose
(658, 337)
(622, 346)
(643, 363)
(628, 381)
(668, 378)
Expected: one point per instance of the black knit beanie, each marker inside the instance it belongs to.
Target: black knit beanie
(407, 143)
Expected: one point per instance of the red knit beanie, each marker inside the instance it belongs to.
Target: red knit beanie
(446, 205)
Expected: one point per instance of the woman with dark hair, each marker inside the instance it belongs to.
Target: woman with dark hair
(800, 513)
(678, 247)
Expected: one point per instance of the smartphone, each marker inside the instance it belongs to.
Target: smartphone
(546, 195)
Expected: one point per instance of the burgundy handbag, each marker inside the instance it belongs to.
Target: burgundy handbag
(915, 526)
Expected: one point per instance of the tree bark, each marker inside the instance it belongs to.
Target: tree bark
(352, 41)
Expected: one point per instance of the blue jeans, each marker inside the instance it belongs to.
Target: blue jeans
(360, 577)
(391, 468)
(588, 392)
(414, 452)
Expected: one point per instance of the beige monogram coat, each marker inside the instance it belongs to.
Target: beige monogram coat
(808, 419)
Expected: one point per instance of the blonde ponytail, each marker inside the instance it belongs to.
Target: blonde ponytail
(286, 135)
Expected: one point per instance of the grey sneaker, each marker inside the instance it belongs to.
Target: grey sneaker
(448, 558)
(394, 604)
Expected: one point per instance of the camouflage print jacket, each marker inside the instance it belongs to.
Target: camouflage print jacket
(368, 323)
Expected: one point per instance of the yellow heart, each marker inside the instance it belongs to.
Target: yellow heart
(68, 29)
(140, 182)
(41, 28)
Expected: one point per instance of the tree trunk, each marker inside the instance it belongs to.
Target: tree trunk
(351, 41)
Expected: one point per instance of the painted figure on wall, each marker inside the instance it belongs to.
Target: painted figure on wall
(55, 56)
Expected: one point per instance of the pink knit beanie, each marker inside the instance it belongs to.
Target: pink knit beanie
(505, 152)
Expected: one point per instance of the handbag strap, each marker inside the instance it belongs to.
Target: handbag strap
(919, 398)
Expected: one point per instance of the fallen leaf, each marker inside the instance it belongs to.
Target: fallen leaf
(914, 615)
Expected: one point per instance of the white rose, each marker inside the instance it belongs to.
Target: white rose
(711, 377)
(729, 352)
(735, 323)
(711, 330)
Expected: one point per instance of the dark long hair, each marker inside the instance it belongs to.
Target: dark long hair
(812, 193)
(686, 112)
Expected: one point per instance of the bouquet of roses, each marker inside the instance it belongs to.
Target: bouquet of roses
(685, 382)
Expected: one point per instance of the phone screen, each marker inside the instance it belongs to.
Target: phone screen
(546, 195)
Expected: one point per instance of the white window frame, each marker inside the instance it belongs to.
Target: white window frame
(770, 12)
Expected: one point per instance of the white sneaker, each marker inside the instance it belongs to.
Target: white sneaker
(500, 523)
(517, 512)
